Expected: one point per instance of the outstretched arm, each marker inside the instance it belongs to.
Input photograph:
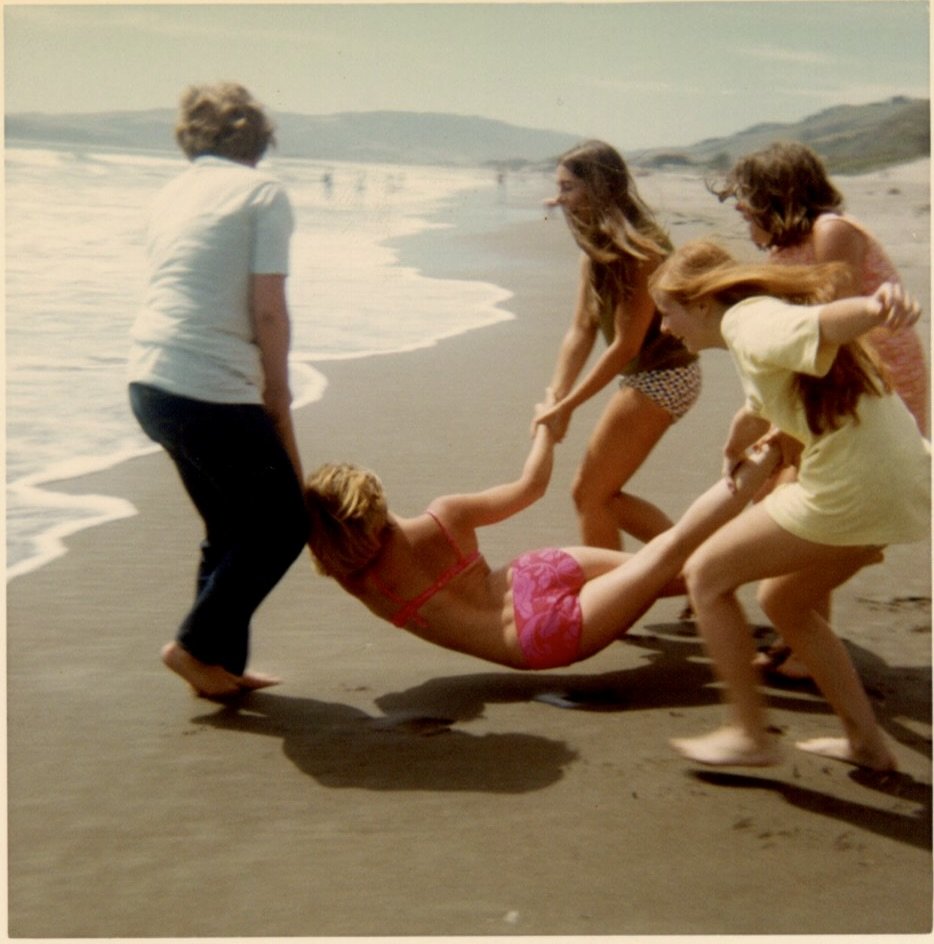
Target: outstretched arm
(578, 341)
(631, 322)
(477, 509)
(576, 347)
(848, 318)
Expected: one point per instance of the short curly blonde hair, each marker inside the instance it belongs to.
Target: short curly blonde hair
(348, 517)
(225, 120)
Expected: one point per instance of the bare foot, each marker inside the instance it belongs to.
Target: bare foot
(210, 681)
(254, 680)
(727, 747)
(840, 748)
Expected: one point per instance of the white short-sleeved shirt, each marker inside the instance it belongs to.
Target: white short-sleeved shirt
(867, 482)
(210, 230)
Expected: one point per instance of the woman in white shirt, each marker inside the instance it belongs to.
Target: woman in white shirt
(208, 375)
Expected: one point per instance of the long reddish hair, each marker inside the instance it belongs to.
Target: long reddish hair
(703, 269)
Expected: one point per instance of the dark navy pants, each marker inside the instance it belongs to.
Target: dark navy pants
(239, 476)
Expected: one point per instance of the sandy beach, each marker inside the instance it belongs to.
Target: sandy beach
(391, 788)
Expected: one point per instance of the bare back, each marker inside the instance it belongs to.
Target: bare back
(440, 589)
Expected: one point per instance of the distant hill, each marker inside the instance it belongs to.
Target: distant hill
(417, 138)
(382, 136)
(850, 138)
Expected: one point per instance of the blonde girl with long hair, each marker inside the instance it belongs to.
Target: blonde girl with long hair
(863, 480)
(658, 379)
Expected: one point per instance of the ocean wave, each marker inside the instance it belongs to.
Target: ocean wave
(68, 323)
(70, 513)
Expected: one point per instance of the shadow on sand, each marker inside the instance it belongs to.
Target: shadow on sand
(342, 746)
(414, 745)
(912, 828)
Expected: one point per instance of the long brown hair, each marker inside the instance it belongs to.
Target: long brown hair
(784, 187)
(703, 269)
(619, 232)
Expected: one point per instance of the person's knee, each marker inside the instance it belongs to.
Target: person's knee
(295, 537)
(693, 578)
(705, 579)
(280, 519)
(777, 603)
(767, 600)
(296, 527)
(579, 494)
(279, 546)
(587, 498)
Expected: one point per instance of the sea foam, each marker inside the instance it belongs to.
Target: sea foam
(75, 272)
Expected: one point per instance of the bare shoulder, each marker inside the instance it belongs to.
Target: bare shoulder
(837, 238)
(458, 514)
(834, 226)
(447, 508)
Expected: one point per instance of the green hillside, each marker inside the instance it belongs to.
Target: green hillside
(851, 139)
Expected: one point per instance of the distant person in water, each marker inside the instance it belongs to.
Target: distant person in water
(863, 480)
(547, 608)
(209, 376)
(657, 379)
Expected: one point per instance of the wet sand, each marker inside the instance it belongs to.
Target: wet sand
(391, 788)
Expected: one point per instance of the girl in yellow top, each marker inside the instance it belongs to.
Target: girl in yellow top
(863, 482)
(796, 215)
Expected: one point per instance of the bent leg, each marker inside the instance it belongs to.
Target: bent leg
(738, 553)
(628, 430)
(611, 603)
(263, 525)
(750, 548)
(241, 480)
(794, 603)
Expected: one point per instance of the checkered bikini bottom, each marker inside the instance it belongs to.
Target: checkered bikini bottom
(675, 390)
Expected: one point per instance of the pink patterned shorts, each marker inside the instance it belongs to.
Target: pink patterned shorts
(545, 590)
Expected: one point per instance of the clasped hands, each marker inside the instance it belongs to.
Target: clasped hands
(552, 415)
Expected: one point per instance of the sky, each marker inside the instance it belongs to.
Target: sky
(649, 74)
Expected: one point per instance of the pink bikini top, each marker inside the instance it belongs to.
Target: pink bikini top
(408, 611)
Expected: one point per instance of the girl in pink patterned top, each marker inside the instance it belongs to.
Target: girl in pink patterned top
(795, 213)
